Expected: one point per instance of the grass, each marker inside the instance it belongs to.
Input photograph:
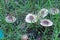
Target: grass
(19, 9)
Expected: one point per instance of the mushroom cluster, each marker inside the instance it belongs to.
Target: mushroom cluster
(32, 18)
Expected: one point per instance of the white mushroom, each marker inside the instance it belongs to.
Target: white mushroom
(46, 23)
(43, 13)
(10, 19)
(31, 18)
(24, 37)
(54, 11)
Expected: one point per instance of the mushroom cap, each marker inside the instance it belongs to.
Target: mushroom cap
(24, 37)
(10, 19)
(43, 12)
(46, 22)
(54, 11)
(31, 18)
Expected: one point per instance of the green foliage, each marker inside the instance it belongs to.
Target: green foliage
(19, 9)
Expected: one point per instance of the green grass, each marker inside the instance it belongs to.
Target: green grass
(19, 9)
